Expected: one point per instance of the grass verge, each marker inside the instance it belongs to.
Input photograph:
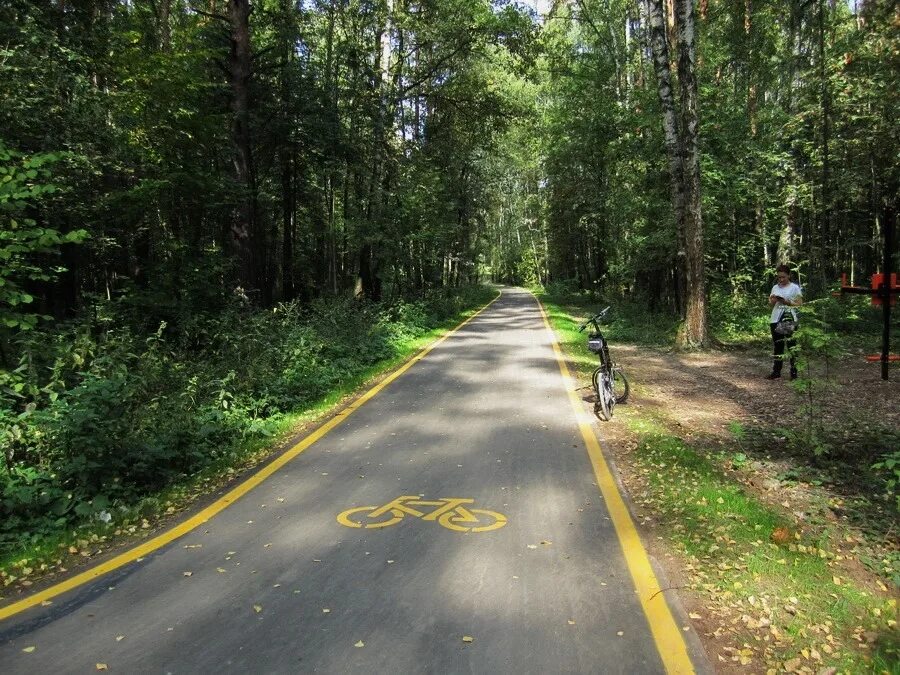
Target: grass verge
(765, 596)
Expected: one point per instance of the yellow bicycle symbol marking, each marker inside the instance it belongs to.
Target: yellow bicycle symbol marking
(448, 512)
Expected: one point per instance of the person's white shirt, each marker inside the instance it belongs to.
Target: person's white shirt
(790, 292)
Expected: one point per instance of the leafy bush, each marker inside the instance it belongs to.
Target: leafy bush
(888, 467)
(24, 182)
(736, 317)
(98, 415)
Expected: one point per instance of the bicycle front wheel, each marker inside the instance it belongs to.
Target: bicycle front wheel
(603, 407)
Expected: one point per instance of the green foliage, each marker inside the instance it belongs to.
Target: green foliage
(889, 467)
(630, 319)
(25, 246)
(737, 317)
(92, 420)
(817, 345)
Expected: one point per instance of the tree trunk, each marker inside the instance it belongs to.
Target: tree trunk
(164, 8)
(383, 132)
(824, 234)
(695, 333)
(245, 229)
(659, 48)
(288, 223)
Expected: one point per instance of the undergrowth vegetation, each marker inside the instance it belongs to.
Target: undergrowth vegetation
(791, 589)
(96, 415)
(786, 587)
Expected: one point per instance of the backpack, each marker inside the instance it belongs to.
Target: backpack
(786, 324)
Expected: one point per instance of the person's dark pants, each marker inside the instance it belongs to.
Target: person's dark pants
(778, 354)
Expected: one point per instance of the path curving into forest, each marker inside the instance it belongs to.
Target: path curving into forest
(493, 550)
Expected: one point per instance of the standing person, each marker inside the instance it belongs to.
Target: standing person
(784, 297)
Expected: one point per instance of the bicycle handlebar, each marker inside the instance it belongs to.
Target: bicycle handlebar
(594, 319)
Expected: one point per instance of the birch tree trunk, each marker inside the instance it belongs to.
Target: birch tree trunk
(654, 18)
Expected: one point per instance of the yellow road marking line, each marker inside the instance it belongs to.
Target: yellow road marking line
(230, 497)
(669, 642)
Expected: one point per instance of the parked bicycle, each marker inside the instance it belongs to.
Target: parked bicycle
(610, 384)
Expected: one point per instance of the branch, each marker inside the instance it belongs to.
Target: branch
(588, 19)
(261, 52)
(211, 15)
(431, 71)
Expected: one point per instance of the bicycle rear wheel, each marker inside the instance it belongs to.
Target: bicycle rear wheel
(621, 388)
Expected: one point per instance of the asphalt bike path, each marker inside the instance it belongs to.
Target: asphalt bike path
(451, 524)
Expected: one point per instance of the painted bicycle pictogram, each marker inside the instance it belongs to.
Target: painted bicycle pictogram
(449, 512)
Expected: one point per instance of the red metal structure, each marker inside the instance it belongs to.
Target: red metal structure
(882, 292)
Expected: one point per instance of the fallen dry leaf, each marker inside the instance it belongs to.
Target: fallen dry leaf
(467, 638)
(102, 666)
(119, 638)
(28, 650)
(792, 666)
(571, 622)
(781, 535)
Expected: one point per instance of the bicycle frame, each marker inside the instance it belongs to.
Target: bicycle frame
(606, 377)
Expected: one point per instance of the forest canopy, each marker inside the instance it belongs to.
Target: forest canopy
(176, 150)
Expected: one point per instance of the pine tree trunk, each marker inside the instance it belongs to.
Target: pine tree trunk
(244, 230)
(164, 8)
(695, 332)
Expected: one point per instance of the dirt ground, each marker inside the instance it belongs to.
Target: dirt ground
(697, 396)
